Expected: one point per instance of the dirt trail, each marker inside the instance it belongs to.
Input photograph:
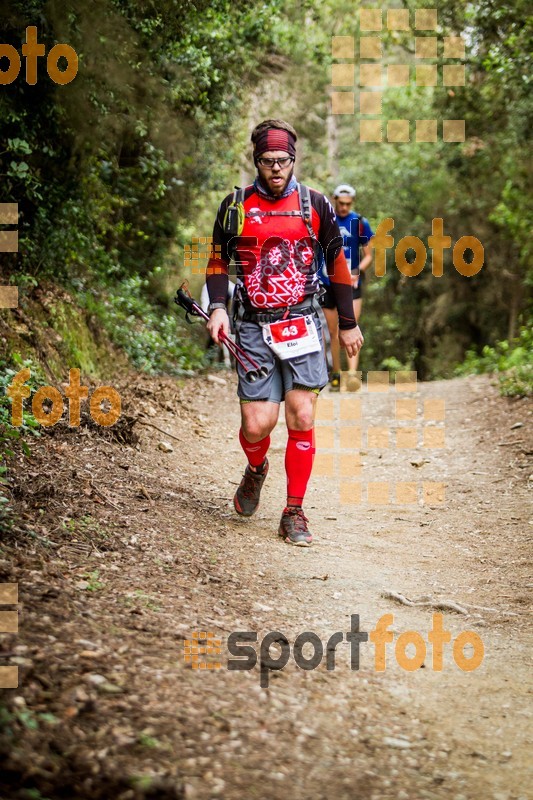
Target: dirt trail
(169, 557)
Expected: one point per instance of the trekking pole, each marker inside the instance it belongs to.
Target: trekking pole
(183, 298)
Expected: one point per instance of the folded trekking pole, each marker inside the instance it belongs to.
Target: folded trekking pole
(183, 298)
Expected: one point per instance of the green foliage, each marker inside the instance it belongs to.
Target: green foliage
(93, 584)
(9, 434)
(155, 340)
(512, 361)
(114, 171)
(11, 437)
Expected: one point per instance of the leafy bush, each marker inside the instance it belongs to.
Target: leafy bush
(513, 361)
(11, 436)
(154, 340)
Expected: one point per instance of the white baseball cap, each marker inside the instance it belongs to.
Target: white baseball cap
(344, 188)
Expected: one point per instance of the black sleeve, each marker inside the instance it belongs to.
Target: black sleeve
(217, 270)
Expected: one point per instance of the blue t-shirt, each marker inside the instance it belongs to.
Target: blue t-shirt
(353, 241)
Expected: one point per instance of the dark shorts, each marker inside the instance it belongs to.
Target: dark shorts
(309, 371)
(328, 299)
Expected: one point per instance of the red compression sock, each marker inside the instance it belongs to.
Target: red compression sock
(298, 464)
(255, 451)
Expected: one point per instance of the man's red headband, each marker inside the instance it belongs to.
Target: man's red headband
(275, 139)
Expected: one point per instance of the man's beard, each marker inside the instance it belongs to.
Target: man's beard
(267, 188)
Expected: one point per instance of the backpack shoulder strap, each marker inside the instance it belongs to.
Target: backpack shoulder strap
(305, 207)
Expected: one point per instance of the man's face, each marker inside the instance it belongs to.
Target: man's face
(343, 205)
(275, 178)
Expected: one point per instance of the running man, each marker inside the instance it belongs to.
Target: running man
(356, 232)
(273, 229)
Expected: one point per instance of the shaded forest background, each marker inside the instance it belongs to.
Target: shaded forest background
(116, 171)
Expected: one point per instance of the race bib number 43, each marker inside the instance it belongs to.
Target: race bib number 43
(292, 337)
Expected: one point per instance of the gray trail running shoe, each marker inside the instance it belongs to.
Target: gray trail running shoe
(246, 498)
(293, 527)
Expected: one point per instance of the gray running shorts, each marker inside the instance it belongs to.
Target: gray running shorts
(309, 371)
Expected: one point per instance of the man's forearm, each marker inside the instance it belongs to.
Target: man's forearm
(217, 286)
(344, 302)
